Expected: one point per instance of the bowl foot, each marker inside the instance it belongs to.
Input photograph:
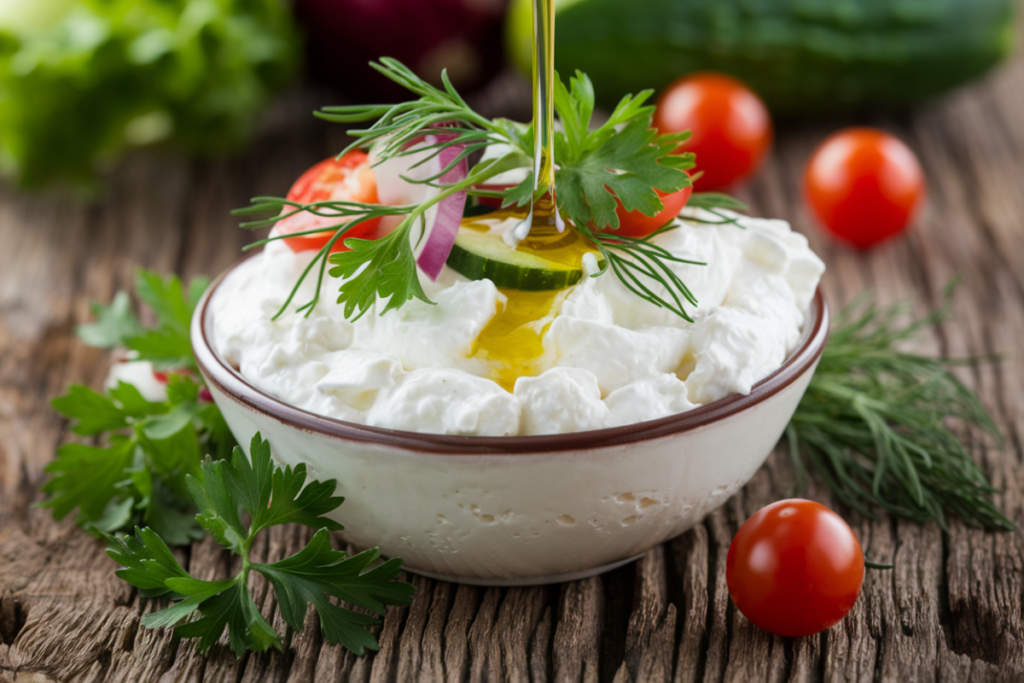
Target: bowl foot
(525, 580)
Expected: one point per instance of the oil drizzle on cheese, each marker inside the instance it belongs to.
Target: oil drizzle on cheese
(512, 343)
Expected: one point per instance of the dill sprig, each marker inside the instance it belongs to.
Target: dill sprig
(397, 127)
(639, 263)
(874, 423)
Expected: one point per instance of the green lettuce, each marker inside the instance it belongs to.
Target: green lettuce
(81, 81)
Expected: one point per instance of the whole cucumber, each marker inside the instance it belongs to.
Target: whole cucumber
(801, 56)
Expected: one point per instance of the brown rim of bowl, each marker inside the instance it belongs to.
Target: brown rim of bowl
(230, 381)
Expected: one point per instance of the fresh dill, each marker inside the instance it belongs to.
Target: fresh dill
(640, 263)
(875, 423)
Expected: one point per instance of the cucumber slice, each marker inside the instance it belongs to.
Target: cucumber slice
(479, 255)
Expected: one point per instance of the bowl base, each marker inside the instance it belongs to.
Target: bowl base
(525, 580)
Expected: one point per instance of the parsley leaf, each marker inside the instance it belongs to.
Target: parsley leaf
(385, 267)
(318, 572)
(146, 562)
(270, 496)
(230, 605)
(87, 477)
(168, 343)
(138, 476)
(290, 499)
(624, 159)
(94, 412)
(625, 168)
(114, 323)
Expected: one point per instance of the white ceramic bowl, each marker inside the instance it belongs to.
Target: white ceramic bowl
(526, 509)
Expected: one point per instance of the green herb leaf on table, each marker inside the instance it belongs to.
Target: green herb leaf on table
(113, 486)
(138, 476)
(167, 344)
(114, 323)
(875, 423)
(318, 572)
(269, 496)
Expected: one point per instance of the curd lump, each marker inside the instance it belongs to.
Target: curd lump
(588, 357)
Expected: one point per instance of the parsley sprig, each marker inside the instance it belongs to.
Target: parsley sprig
(137, 473)
(269, 496)
(166, 344)
(624, 159)
(875, 423)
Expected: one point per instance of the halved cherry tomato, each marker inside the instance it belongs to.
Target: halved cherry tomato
(730, 126)
(348, 178)
(635, 224)
(864, 185)
(794, 568)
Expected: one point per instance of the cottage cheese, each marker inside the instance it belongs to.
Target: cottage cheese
(609, 358)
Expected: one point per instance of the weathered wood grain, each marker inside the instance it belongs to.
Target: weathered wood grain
(952, 610)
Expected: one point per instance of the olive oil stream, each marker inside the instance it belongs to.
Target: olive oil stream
(512, 342)
(543, 211)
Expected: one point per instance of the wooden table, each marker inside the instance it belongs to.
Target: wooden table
(951, 610)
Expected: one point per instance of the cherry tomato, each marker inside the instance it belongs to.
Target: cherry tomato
(794, 568)
(864, 186)
(349, 178)
(731, 128)
(635, 224)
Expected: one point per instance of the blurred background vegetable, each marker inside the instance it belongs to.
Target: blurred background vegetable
(730, 128)
(864, 186)
(463, 36)
(800, 57)
(81, 81)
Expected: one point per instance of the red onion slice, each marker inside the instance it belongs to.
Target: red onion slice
(443, 219)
